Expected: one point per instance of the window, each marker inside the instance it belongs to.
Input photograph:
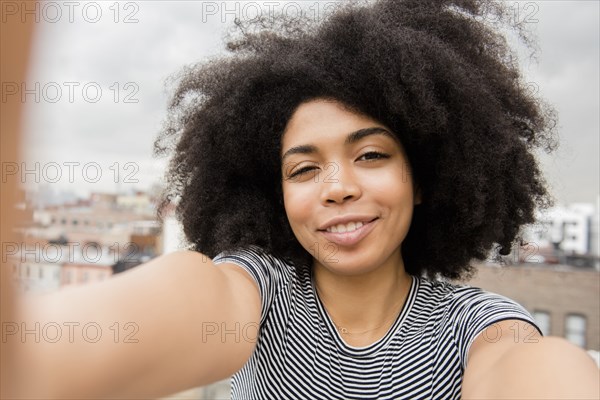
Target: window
(575, 327)
(542, 319)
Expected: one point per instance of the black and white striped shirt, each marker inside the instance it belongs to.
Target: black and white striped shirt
(300, 355)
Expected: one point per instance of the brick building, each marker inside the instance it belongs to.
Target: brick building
(564, 300)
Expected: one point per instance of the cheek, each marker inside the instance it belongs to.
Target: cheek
(389, 186)
(298, 204)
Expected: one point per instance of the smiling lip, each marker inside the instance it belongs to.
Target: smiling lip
(344, 219)
(350, 238)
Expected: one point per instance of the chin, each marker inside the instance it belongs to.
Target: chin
(346, 266)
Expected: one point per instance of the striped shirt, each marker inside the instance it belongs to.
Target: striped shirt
(300, 355)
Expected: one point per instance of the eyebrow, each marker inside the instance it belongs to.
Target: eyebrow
(350, 139)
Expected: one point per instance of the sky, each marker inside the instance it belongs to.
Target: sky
(97, 91)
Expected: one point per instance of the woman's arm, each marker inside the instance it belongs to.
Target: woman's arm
(15, 42)
(173, 323)
(520, 364)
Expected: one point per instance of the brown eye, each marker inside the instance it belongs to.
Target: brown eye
(374, 155)
(301, 172)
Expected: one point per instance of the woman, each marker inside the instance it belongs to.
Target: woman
(327, 175)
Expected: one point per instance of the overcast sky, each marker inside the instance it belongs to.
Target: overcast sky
(82, 47)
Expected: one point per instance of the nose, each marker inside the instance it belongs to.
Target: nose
(339, 185)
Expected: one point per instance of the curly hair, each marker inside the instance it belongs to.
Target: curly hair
(438, 73)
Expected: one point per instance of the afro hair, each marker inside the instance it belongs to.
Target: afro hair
(439, 73)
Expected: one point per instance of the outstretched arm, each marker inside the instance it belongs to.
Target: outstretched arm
(520, 364)
(174, 323)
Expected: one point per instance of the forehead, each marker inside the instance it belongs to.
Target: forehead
(321, 120)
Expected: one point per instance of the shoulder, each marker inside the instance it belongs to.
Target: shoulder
(272, 274)
(471, 313)
(255, 260)
(464, 302)
(467, 302)
(458, 297)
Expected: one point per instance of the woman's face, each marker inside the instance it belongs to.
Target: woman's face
(338, 166)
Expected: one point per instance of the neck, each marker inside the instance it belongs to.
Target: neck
(366, 302)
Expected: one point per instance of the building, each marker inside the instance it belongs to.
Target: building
(138, 202)
(80, 242)
(570, 232)
(564, 300)
(88, 263)
(38, 277)
(173, 238)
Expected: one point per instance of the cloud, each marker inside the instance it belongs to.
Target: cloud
(169, 35)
